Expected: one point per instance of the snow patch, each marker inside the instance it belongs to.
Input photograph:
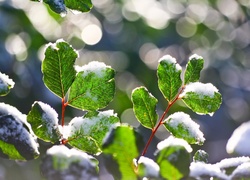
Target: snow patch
(152, 168)
(237, 143)
(242, 170)
(172, 141)
(195, 57)
(170, 60)
(93, 67)
(180, 118)
(5, 81)
(232, 162)
(202, 89)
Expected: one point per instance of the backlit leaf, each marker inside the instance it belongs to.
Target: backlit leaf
(144, 106)
(58, 67)
(169, 77)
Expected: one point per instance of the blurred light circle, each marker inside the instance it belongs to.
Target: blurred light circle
(91, 34)
(186, 27)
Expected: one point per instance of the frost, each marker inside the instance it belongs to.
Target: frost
(200, 169)
(172, 141)
(241, 171)
(5, 82)
(238, 142)
(95, 67)
(195, 57)
(232, 162)
(49, 116)
(54, 46)
(152, 168)
(201, 89)
(181, 119)
(170, 60)
(86, 124)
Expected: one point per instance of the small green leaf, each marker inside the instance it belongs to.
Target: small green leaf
(173, 157)
(122, 144)
(144, 106)
(58, 67)
(201, 98)
(44, 122)
(93, 88)
(169, 77)
(148, 168)
(17, 141)
(5, 84)
(200, 156)
(193, 69)
(79, 5)
(87, 133)
(182, 126)
(63, 163)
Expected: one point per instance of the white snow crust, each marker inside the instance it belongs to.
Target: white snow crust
(170, 60)
(195, 57)
(94, 66)
(178, 118)
(172, 141)
(5, 81)
(232, 162)
(152, 168)
(239, 141)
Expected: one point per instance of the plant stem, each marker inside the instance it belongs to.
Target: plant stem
(161, 121)
(64, 104)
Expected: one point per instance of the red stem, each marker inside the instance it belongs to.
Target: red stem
(64, 104)
(161, 121)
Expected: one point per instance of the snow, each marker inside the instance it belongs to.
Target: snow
(14, 127)
(238, 142)
(49, 116)
(170, 60)
(5, 81)
(202, 89)
(195, 57)
(242, 170)
(232, 162)
(199, 169)
(172, 141)
(152, 168)
(181, 118)
(72, 155)
(95, 67)
(85, 124)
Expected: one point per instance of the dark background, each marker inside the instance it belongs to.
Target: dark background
(131, 35)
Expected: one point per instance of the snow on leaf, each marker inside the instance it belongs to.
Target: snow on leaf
(232, 162)
(17, 141)
(201, 98)
(87, 133)
(200, 169)
(148, 168)
(182, 126)
(63, 163)
(241, 172)
(237, 142)
(44, 122)
(5, 84)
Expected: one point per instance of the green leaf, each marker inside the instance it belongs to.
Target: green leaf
(148, 168)
(5, 84)
(93, 88)
(122, 143)
(63, 163)
(201, 98)
(17, 141)
(87, 133)
(58, 67)
(144, 106)
(200, 156)
(182, 126)
(44, 122)
(173, 157)
(79, 5)
(193, 69)
(169, 77)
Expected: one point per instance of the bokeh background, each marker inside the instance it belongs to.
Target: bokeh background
(130, 36)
